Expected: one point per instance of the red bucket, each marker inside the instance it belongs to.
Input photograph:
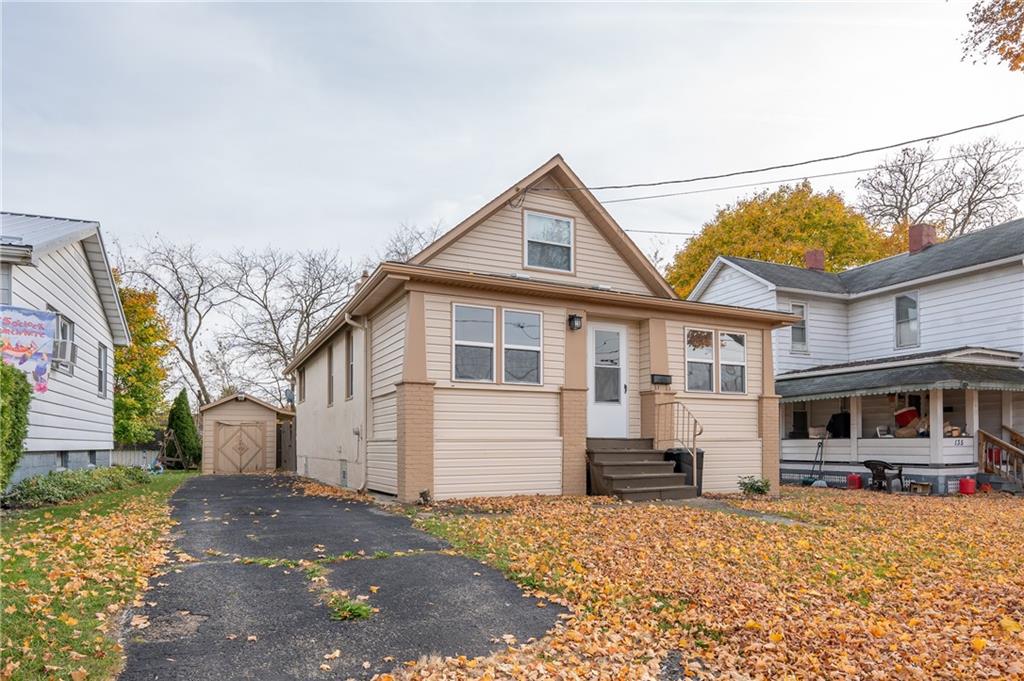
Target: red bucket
(854, 481)
(968, 485)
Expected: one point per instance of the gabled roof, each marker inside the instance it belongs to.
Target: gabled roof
(25, 239)
(557, 169)
(245, 397)
(991, 245)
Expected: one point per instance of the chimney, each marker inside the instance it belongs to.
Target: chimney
(363, 279)
(814, 259)
(921, 237)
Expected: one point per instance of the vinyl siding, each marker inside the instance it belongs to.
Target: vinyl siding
(387, 351)
(325, 444)
(826, 334)
(984, 309)
(495, 246)
(732, 287)
(240, 412)
(496, 442)
(70, 416)
(732, 447)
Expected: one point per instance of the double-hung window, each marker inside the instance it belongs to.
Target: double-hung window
(65, 350)
(330, 374)
(700, 360)
(350, 367)
(548, 242)
(101, 371)
(908, 329)
(798, 332)
(473, 343)
(6, 285)
(302, 384)
(732, 362)
(521, 342)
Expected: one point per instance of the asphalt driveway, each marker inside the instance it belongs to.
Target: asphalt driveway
(237, 605)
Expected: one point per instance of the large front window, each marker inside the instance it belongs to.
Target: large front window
(700, 360)
(474, 343)
(908, 329)
(522, 342)
(548, 242)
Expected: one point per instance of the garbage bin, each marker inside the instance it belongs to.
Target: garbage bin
(684, 463)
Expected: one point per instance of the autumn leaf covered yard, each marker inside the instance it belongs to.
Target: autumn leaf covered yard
(260, 571)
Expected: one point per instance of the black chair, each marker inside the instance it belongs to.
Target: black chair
(883, 473)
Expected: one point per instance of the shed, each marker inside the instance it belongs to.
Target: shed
(240, 434)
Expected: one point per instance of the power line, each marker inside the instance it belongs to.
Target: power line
(788, 179)
(782, 166)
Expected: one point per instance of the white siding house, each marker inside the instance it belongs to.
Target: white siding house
(60, 265)
(939, 328)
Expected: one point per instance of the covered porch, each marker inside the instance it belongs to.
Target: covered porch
(934, 419)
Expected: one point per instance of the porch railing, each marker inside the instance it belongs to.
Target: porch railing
(1016, 439)
(999, 457)
(685, 426)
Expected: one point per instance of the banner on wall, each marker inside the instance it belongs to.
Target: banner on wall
(26, 342)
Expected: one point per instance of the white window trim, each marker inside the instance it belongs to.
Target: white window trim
(300, 381)
(330, 374)
(7, 282)
(896, 322)
(687, 360)
(805, 349)
(102, 369)
(478, 344)
(721, 362)
(508, 346)
(66, 368)
(571, 245)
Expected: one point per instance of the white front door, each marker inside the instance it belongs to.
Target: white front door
(608, 374)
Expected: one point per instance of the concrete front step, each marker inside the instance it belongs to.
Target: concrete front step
(659, 492)
(624, 482)
(596, 443)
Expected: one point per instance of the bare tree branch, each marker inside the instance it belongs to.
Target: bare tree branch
(977, 186)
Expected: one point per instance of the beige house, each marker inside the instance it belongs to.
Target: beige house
(532, 333)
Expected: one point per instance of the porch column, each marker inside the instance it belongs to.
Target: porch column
(768, 417)
(415, 409)
(573, 410)
(935, 426)
(1007, 414)
(855, 426)
(657, 422)
(971, 410)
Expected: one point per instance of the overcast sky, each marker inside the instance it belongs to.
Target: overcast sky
(328, 125)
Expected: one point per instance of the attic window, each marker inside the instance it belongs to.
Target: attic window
(548, 242)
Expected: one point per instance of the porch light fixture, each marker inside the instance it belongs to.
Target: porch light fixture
(575, 322)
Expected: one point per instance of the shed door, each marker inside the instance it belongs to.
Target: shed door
(240, 447)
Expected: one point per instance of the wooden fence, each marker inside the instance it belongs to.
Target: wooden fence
(140, 458)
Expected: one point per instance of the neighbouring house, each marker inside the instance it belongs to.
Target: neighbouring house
(242, 434)
(938, 330)
(531, 336)
(56, 270)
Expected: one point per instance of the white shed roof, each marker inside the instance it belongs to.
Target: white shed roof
(24, 239)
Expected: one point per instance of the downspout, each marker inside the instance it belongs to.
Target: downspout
(364, 398)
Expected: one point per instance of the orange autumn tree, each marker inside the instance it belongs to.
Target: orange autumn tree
(779, 226)
(997, 30)
(139, 370)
